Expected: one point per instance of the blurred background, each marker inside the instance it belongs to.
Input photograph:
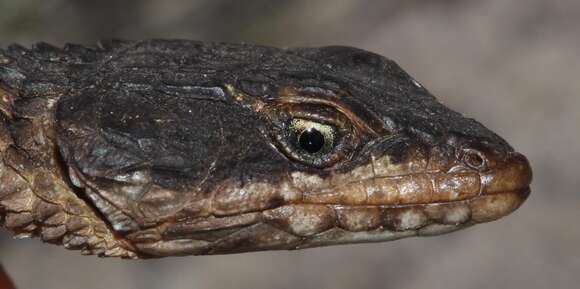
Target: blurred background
(513, 65)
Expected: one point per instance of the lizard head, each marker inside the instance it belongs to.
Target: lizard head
(190, 148)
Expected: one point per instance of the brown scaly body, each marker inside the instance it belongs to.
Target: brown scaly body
(174, 147)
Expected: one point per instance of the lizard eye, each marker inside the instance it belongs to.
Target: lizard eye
(315, 142)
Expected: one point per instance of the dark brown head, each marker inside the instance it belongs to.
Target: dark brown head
(191, 148)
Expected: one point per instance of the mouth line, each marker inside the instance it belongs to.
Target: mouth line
(522, 192)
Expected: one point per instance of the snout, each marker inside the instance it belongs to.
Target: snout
(509, 175)
(505, 186)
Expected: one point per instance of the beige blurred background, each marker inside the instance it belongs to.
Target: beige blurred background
(513, 65)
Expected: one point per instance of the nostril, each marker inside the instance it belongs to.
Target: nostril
(474, 159)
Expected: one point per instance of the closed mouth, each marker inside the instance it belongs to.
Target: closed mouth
(430, 203)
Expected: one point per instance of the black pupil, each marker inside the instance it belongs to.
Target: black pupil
(311, 140)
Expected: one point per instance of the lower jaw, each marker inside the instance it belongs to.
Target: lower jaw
(491, 207)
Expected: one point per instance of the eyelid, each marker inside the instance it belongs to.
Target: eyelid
(342, 109)
(316, 113)
(301, 124)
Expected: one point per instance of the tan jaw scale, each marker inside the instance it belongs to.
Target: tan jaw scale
(421, 188)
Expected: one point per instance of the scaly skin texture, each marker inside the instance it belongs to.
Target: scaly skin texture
(172, 147)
